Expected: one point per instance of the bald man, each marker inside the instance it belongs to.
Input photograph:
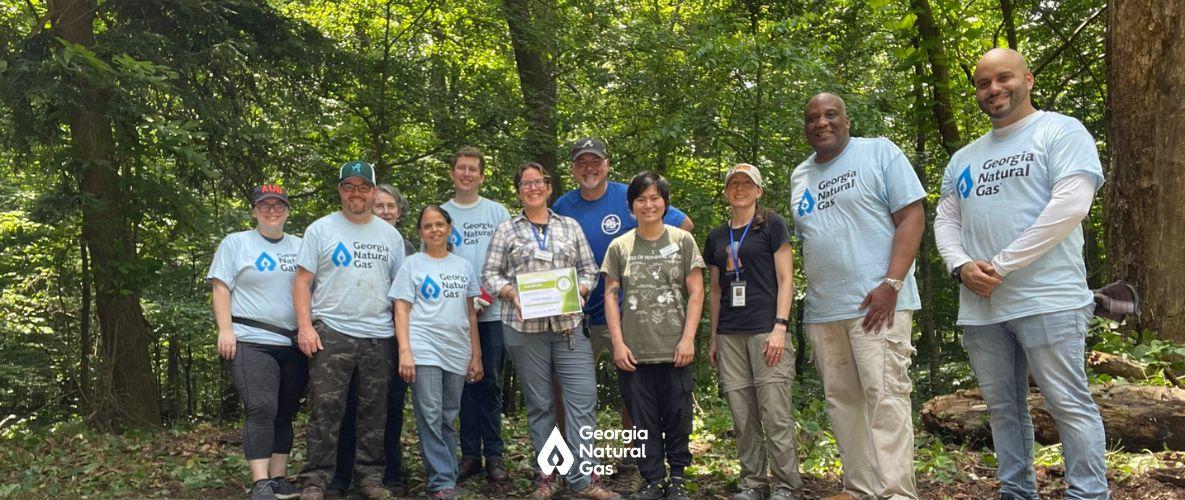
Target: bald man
(857, 210)
(1009, 228)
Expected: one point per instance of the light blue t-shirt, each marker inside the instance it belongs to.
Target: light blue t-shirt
(473, 227)
(259, 274)
(1002, 185)
(438, 326)
(354, 265)
(843, 215)
(603, 221)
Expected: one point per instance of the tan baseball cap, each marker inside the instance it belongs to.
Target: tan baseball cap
(744, 168)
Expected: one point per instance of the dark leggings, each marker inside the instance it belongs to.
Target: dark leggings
(270, 380)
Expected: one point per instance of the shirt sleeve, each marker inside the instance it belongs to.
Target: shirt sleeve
(495, 273)
(1068, 205)
(611, 266)
(222, 267)
(474, 288)
(586, 264)
(310, 246)
(398, 253)
(403, 288)
(674, 217)
(948, 232)
(901, 184)
(779, 232)
(709, 256)
(692, 259)
(1073, 151)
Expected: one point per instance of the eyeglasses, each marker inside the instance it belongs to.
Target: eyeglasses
(272, 207)
(361, 188)
(535, 183)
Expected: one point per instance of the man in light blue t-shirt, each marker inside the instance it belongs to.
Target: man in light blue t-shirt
(344, 325)
(857, 209)
(1008, 225)
(474, 221)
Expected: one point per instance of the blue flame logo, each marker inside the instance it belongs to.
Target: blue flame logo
(455, 239)
(341, 256)
(807, 204)
(965, 182)
(265, 262)
(429, 289)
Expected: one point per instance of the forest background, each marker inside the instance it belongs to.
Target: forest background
(132, 131)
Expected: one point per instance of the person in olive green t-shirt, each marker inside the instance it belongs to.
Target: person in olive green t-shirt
(654, 290)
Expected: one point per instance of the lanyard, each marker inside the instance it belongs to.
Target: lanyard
(735, 248)
(535, 231)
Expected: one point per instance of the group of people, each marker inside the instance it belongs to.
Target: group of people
(365, 318)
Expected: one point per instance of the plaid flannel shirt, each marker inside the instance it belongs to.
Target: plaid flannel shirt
(512, 251)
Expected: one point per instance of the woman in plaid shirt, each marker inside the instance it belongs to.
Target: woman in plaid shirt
(537, 240)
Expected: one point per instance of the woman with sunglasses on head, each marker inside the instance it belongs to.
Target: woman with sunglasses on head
(439, 350)
(251, 275)
(542, 348)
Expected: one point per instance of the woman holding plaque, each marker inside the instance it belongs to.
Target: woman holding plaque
(752, 268)
(542, 347)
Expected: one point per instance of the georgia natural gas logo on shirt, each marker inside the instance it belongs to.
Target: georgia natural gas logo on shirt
(451, 286)
(992, 174)
(359, 254)
(265, 262)
(825, 193)
(473, 233)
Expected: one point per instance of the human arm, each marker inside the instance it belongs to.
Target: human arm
(307, 338)
(713, 310)
(881, 302)
(1069, 203)
(407, 363)
(476, 371)
(948, 237)
(623, 357)
(226, 333)
(775, 344)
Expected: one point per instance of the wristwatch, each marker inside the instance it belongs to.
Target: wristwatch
(896, 284)
(782, 321)
(957, 273)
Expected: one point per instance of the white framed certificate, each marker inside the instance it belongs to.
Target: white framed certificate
(549, 293)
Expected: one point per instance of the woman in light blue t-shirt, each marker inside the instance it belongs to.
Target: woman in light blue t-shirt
(439, 347)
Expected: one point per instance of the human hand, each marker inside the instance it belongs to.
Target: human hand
(623, 357)
(407, 366)
(775, 345)
(881, 304)
(684, 352)
(227, 343)
(712, 351)
(308, 340)
(475, 372)
(980, 277)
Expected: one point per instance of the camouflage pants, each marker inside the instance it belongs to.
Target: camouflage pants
(329, 378)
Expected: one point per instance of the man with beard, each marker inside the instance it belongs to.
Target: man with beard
(1008, 226)
(346, 263)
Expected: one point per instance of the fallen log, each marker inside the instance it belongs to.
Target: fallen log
(1116, 366)
(1135, 417)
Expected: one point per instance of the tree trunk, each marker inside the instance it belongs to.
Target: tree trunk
(931, 42)
(84, 328)
(529, 34)
(931, 338)
(128, 391)
(1136, 417)
(1009, 23)
(1145, 209)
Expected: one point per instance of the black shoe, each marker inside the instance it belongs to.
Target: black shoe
(263, 490)
(677, 490)
(652, 491)
(496, 471)
(283, 489)
(468, 468)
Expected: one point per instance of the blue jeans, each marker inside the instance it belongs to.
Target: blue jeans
(1052, 347)
(481, 401)
(436, 400)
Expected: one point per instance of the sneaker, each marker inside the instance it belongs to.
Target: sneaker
(283, 489)
(312, 492)
(374, 492)
(496, 470)
(677, 490)
(596, 491)
(547, 487)
(749, 494)
(468, 468)
(652, 491)
(445, 494)
(782, 494)
(263, 489)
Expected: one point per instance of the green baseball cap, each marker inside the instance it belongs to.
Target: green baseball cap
(359, 169)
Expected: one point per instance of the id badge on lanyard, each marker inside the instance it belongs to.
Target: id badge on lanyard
(737, 290)
(542, 253)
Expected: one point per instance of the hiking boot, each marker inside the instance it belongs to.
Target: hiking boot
(263, 489)
(283, 489)
(374, 492)
(596, 491)
(334, 492)
(312, 492)
(677, 490)
(397, 489)
(496, 470)
(468, 468)
(547, 487)
(749, 494)
(652, 491)
(782, 494)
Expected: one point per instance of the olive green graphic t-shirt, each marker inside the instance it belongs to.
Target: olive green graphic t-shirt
(652, 276)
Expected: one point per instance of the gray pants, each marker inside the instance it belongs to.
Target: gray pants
(538, 357)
